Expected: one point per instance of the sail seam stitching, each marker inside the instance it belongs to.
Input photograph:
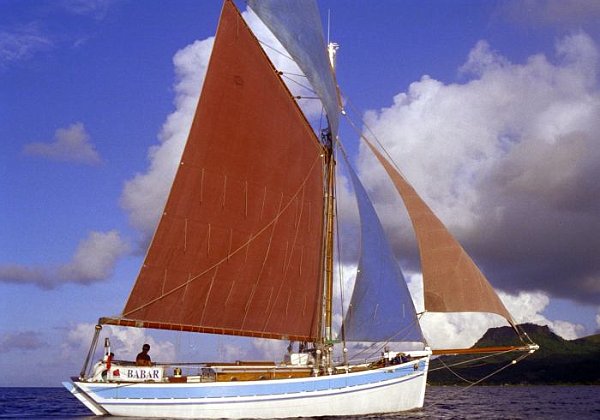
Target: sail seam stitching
(251, 239)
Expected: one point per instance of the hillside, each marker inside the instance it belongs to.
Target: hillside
(558, 361)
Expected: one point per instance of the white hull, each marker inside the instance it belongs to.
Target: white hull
(385, 390)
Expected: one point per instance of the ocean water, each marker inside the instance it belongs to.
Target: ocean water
(484, 402)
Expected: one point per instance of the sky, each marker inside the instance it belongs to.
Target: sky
(490, 108)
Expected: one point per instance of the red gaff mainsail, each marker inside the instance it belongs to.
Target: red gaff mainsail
(238, 249)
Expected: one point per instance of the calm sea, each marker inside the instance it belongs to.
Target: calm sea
(484, 402)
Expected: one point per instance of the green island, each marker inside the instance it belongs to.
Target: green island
(557, 362)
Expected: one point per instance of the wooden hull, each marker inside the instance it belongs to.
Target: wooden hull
(384, 390)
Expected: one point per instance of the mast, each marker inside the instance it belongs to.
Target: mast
(328, 141)
(329, 217)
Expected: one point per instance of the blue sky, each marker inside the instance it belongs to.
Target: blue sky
(93, 92)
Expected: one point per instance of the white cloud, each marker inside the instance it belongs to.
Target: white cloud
(529, 307)
(15, 273)
(269, 349)
(144, 196)
(232, 351)
(71, 144)
(22, 44)
(508, 161)
(93, 261)
(126, 343)
(463, 330)
(95, 257)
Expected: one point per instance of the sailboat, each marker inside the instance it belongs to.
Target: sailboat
(245, 247)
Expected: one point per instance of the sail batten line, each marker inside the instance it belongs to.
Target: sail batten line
(244, 245)
(266, 257)
(287, 264)
(210, 287)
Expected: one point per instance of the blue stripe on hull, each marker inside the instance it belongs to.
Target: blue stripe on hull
(305, 395)
(254, 388)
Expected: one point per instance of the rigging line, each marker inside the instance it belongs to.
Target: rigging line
(512, 362)
(281, 72)
(349, 102)
(454, 373)
(385, 343)
(363, 137)
(487, 356)
(284, 75)
(275, 49)
(522, 331)
(245, 244)
(328, 24)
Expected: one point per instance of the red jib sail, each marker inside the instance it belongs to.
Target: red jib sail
(451, 280)
(238, 249)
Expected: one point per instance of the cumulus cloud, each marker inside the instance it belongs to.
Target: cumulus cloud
(93, 261)
(71, 144)
(95, 257)
(454, 330)
(251, 349)
(509, 161)
(460, 330)
(20, 341)
(21, 44)
(269, 349)
(145, 194)
(126, 343)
